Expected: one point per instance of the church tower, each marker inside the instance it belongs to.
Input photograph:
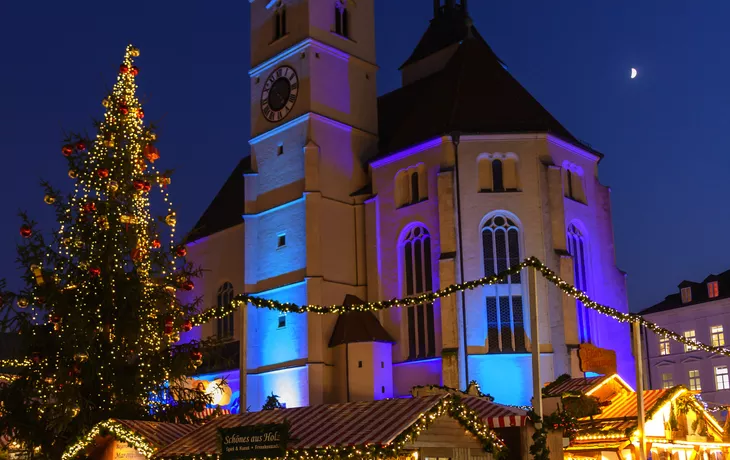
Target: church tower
(313, 126)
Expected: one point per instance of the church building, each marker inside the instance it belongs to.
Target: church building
(347, 197)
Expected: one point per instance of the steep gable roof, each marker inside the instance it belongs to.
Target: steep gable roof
(227, 207)
(358, 326)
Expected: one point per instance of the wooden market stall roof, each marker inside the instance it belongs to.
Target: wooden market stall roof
(496, 415)
(585, 385)
(364, 423)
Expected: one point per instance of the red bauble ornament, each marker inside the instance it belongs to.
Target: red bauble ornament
(146, 186)
(55, 319)
(94, 272)
(102, 172)
(90, 207)
(138, 184)
(168, 325)
(36, 357)
(67, 150)
(26, 231)
(80, 146)
(188, 285)
(156, 244)
(140, 113)
(187, 325)
(124, 109)
(134, 70)
(151, 153)
(181, 251)
(196, 355)
(123, 68)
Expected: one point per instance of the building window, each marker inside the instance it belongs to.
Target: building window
(664, 346)
(497, 175)
(573, 182)
(713, 289)
(225, 324)
(667, 381)
(689, 335)
(686, 294)
(722, 382)
(416, 252)
(279, 21)
(281, 322)
(280, 240)
(505, 317)
(694, 380)
(342, 19)
(718, 336)
(410, 186)
(280, 150)
(577, 248)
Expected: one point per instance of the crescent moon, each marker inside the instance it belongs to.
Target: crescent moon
(634, 73)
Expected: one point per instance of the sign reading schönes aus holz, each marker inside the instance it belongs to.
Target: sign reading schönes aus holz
(255, 441)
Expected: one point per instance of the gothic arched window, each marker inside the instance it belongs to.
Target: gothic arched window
(225, 324)
(416, 252)
(577, 246)
(505, 317)
(279, 21)
(342, 25)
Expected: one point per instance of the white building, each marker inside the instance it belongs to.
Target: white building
(700, 311)
(459, 174)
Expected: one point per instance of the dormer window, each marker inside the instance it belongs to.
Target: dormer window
(279, 21)
(713, 289)
(342, 19)
(686, 293)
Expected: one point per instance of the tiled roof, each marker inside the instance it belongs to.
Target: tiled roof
(227, 208)
(583, 385)
(160, 434)
(355, 423)
(699, 291)
(358, 326)
(496, 415)
(472, 94)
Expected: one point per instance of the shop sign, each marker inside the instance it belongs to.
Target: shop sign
(256, 441)
(598, 360)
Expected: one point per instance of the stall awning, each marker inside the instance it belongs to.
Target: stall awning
(496, 415)
(158, 433)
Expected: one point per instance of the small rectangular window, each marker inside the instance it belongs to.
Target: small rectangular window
(686, 294)
(713, 289)
(664, 346)
(281, 240)
(382, 364)
(718, 336)
(280, 150)
(382, 389)
(689, 335)
(722, 380)
(694, 380)
(282, 321)
(667, 381)
(359, 364)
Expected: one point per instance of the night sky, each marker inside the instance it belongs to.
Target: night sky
(663, 134)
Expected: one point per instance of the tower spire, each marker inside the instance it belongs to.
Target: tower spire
(447, 7)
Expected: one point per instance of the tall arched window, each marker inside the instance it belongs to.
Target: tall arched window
(411, 185)
(505, 317)
(279, 21)
(497, 177)
(577, 246)
(341, 19)
(416, 249)
(225, 324)
(415, 194)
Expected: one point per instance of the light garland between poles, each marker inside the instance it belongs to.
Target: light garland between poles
(544, 270)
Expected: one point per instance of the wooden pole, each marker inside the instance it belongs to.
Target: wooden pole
(243, 359)
(535, 340)
(636, 335)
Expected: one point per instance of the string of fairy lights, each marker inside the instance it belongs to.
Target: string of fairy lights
(531, 262)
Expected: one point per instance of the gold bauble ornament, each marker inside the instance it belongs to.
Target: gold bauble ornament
(22, 302)
(113, 186)
(171, 219)
(81, 357)
(134, 51)
(67, 241)
(106, 102)
(84, 265)
(72, 173)
(108, 142)
(49, 199)
(153, 136)
(104, 222)
(79, 244)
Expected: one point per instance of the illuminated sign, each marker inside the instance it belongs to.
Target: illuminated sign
(256, 441)
(598, 360)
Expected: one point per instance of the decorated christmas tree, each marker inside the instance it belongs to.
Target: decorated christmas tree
(99, 316)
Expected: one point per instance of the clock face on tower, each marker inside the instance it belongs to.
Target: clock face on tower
(279, 94)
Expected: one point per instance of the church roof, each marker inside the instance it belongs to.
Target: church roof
(472, 94)
(227, 207)
(358, 326)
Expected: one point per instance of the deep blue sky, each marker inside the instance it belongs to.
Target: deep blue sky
(663, 134)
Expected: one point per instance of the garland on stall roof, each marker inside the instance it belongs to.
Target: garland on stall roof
(547, 273)
(117, 430)
(451, 405)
